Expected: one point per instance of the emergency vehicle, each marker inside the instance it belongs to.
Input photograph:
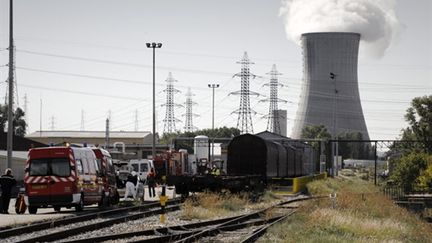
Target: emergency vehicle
(141, 166)
(62, 177)
(109, 180)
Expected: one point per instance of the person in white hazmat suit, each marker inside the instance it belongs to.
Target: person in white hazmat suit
(131, 184)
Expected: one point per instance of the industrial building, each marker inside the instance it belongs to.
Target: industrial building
(90, 137)
(330, 94)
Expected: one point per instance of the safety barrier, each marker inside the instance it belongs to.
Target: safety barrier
(296, 184)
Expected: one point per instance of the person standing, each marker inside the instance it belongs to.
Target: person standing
(7, 182)
(131, 183)
(151, 182)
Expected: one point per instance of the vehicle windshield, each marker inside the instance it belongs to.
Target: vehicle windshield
(144, 168)
(49, 166)
(135, 167)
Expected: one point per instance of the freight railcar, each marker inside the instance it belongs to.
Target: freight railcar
(252, 162)
(253, 155)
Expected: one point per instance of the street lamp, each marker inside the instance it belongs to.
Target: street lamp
(213, 87)
(154, 46)
(336, 145)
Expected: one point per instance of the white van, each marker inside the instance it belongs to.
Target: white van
(141, 166)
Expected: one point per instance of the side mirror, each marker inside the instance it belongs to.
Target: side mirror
(26, 170)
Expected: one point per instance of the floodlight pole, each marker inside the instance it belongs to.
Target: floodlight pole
(336, 145)
(154, 45)
(213, 87)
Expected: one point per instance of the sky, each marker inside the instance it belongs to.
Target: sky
(83, 60)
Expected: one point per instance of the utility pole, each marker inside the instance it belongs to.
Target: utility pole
(11, 91)
(213, 87)
(154, 45)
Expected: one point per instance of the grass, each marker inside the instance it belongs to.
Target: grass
(360, 214)
(209, 205)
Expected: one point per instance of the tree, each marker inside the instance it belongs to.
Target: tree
(315, 132)
(222, 132)
(19, 124)
(354, 150)
(419, 118)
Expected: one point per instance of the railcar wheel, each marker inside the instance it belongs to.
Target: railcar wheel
(57, 208)
(80, 206)
(33, 209)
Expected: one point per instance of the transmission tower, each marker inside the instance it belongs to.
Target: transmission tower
(26, 108)
(170, 120)
(189, 127)
(82, 121)
(273, 116)
(244, 121)
(52, 125)
(136, 120)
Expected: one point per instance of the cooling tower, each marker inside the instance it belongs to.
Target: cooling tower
(330, 93)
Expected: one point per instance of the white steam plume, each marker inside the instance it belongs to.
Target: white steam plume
(375, 20)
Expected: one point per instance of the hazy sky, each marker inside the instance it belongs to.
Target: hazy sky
(90, 56)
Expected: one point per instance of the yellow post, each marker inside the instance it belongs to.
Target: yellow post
(163, 199)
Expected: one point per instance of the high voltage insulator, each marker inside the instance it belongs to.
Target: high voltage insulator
(189, 127)
(244, 121)
(170, 120)
(273, 124)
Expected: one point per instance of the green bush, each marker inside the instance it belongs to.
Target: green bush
(410, 171)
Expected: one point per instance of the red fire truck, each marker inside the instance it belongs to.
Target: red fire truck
(62, 177)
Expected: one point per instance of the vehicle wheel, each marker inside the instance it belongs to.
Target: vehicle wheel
(57, 208)
(32, 209)
(80, 206)
(104, 202)
(115, 199)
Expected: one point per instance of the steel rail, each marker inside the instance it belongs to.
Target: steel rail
(167, 232)
(212, 232)
(261, 231)
(150, 232)
(198, 235)
(95, 226)
(70, 220)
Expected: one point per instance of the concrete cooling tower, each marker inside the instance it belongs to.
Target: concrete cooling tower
(330, 94)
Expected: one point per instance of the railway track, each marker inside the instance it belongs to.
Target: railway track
(38, 232)
(255, 223)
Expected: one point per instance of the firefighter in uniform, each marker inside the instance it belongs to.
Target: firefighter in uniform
(7, 182)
